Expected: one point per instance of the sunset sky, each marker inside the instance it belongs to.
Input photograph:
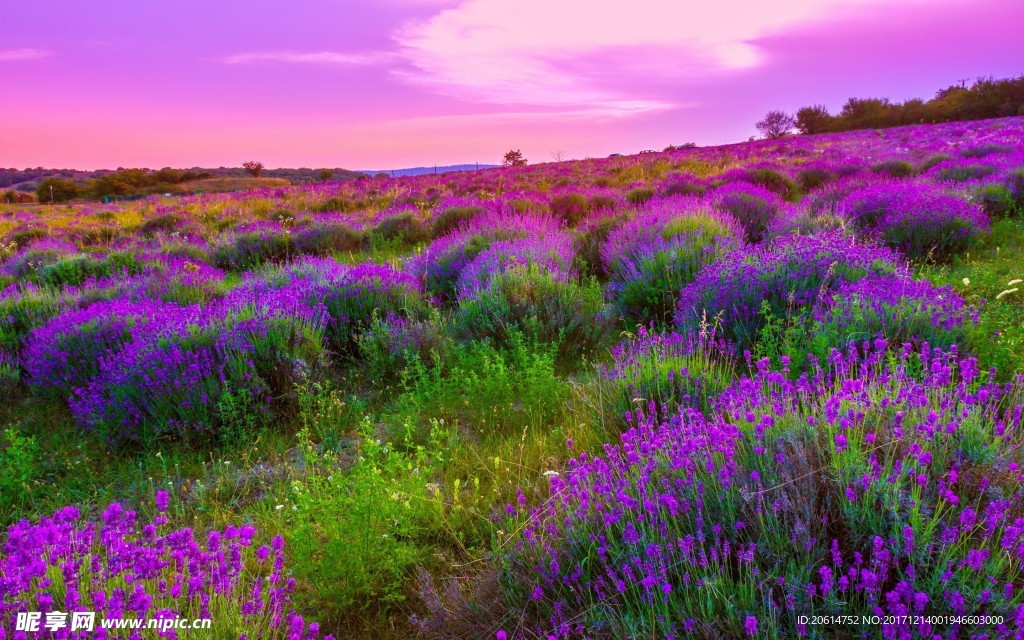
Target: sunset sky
(376, 84)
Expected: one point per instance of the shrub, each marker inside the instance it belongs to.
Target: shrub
(225, 575)
(253, 246)
(654, 372)
(570, 208)
(64, 353)
(868, 488)
(356, 294)
(452, 214)
(958, 171)
(215, 370)
(774, 181)
(589, 242)
(27, 262)
(930, 224)
(443, 260)
(639, 195)
(788, 276)
(326, 238)
(996, 201)
(404, 228)
(894, 168)
(753, 206)
(162, 224)
(681, 186)
(899, 310)
(23, 308)
(654, 255)
(811, 178)
(532, 301)
(551, 252)
(391, 343)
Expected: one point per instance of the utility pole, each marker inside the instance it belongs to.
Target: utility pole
(51, 194)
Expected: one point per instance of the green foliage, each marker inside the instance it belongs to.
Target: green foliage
(451, 218)
(894, 168)
(570, 208)
(249, 250)
(325, 239)
(404, 229)
(378, 514)
(998, 202)
(639, 195)
(19, 463)
(532, 301)
(486, 390)
(56, 190)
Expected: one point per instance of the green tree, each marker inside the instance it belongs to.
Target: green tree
(325, 174)
(514, 158)
(811, 120)
(56, 190)
(253, 167)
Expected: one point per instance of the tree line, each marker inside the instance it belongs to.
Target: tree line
(986, 98)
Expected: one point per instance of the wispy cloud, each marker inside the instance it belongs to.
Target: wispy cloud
(539, 52)
(23, 54)
(338, 58)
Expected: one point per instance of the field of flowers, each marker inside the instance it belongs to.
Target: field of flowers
(731, 392)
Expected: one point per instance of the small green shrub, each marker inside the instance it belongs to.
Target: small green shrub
(639, 195)
(532, 301)
(451, 218)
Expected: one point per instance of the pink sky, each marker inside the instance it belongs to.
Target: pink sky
(373, 84)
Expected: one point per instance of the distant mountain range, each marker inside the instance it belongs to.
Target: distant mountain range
(418, 171)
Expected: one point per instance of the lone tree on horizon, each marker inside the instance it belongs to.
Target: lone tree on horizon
(253, 167)
(775, 125)
(514, 158)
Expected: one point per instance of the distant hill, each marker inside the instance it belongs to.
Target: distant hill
(418, 171)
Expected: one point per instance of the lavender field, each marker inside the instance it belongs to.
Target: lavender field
(722, 392)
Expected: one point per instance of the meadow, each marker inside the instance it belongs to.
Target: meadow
(708, 392)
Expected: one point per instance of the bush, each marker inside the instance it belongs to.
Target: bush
(443, 260)
(208, 371)
(930, 224)
(996, 201)
(639, 195)
(589, 242)
(894, 168)
(452, 217)
(551, 252)
(570, 208)
(391, 343)
(898, 310)
(753, 206)
(225, 574)
(659, 373)
(654, 255)
(787, 278)
(64, 353)
(356, 294)
(404, 228)
(326, 238)
(811, 178)
(532, 301)
(259, 244)
(774, 181)
(875, 487)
